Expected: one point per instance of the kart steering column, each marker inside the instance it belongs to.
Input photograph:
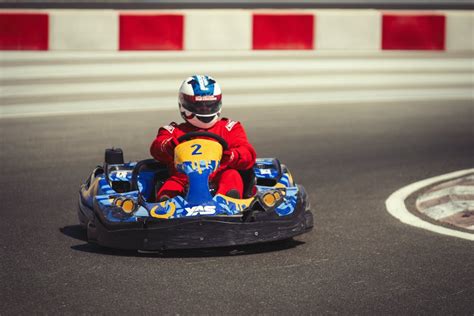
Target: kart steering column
(198, 158)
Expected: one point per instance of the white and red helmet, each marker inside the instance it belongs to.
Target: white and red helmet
(200, 101)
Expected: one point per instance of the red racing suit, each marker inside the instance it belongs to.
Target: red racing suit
(239, 156)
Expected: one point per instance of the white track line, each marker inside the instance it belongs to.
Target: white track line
(396, 205)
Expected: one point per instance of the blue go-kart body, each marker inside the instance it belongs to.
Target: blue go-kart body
(118, 207)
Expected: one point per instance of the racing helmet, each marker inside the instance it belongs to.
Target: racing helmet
(200, 101)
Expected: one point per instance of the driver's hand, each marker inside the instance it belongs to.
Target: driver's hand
(229, 158)
(169, 145)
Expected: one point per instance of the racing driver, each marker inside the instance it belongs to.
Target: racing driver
(200, 103)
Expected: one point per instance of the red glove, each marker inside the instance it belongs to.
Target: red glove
(229, 159)
(168, 146)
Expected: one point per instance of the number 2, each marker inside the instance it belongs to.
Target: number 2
(196, 149)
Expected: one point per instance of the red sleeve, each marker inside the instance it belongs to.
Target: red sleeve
(157, 149)
(239, 143)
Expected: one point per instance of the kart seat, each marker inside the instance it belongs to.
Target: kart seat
(159, 173)
(249, 179)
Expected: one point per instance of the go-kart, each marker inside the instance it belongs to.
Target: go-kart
(118, 206)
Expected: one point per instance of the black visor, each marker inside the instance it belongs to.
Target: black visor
(201, 107)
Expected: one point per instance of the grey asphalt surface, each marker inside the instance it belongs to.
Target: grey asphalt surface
(357, 260)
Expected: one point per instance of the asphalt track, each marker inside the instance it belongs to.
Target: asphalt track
(357, 260)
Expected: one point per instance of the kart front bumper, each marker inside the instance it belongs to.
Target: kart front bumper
(201, 232)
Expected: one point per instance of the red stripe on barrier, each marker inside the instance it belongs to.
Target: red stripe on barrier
(151, 32)
(289, 31)
(413, 32)
(24, 31)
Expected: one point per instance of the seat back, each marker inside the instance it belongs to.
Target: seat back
(248, 177)
(148, 173)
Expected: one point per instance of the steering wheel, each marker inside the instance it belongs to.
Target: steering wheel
(215, 137)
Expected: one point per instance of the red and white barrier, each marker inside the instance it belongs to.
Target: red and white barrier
(24, 30)
(111, 30)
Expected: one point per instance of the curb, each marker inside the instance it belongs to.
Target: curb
(450, 202)
(396, 205)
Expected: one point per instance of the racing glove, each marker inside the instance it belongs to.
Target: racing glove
(168, 146)
(229, 159)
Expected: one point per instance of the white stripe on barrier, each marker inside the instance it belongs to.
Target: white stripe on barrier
(350, 30)
(215, 29)
(460, 31)
(92, 30)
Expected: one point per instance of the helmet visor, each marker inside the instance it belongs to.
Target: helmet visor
(201, 105)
